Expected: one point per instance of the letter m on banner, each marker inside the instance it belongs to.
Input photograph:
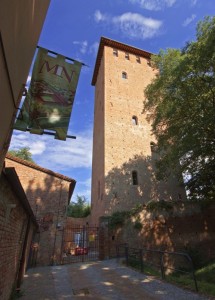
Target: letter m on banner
(48, 104)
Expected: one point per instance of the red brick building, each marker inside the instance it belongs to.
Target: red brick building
(124, 149)
(17, 226)
(49, 194)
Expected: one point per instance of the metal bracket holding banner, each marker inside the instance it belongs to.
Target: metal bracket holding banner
(68, 58)
(52, 133)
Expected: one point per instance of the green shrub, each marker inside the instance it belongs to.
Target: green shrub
(137, 209)
(196, 257)
(118, 218)
(158, 206)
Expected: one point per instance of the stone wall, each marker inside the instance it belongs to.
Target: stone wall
(16, 230)
(48, 195)
(187, 227)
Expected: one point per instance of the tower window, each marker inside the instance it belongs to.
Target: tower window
(153, 147)
(127, 56)
(134, 120)
(134, 178)
(124, 75)
(115, 52)
(138, 59)
(149, 62)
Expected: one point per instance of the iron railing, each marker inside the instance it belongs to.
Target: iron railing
(140, 257)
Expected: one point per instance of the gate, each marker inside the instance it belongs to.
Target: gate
(80, 244)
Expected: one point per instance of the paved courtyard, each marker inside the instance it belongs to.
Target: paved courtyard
(98, 280)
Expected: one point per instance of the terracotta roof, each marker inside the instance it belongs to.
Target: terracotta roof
(36, 167)
(117, 45)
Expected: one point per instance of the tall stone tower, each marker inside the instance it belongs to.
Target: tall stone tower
(124, 149)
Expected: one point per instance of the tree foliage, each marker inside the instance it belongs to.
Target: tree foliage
(79, 209)
(23, 153)
(181, 99)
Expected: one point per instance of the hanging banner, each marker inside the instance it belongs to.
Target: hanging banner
(50, 97)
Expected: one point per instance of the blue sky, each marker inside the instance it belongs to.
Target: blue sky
(73, 28)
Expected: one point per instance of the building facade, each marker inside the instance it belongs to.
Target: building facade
(49, 194)
(20, 26)
(17, 227)
(124, 149)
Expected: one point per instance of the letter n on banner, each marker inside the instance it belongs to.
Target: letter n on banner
(48, 104)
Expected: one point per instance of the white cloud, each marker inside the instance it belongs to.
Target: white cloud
(193, 2)
(94, 48)
(154, 4)
(54, 154)
(189, 20)
(83, 46)
(20, 140)
(38, 148)
(134, 25)
(98, 16)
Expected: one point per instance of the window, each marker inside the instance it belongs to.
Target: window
(134, 178)
(153, 147)
(115, 52)
(138, 59)
(124, 75)
(134, 120)
(149, 62)
(127, 55)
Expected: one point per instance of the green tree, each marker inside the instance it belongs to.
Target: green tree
(181, 99)
(23, 153)
(79, 209)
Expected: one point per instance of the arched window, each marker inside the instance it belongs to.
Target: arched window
(134, 120)
(134, 178)
(124, 75)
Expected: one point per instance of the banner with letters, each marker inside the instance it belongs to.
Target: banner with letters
(49, 101)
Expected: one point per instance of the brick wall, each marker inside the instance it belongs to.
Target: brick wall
(48, 196)
(120, 146)
(13, 227)
(186, 228)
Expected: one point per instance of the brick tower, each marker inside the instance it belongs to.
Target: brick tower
(123, 145)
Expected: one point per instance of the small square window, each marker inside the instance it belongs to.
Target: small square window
(153, 147)
(149, 62)
(124, 75)
(127, 56)
(115, 52)
(138, 59)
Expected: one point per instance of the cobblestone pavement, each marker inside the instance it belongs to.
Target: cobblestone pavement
(98, 280)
